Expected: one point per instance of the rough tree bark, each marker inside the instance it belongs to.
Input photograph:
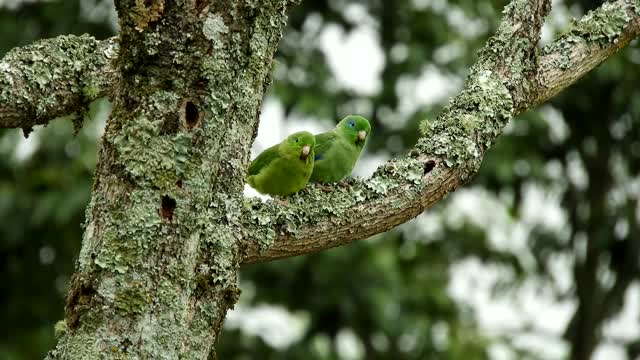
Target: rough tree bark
(167, 227)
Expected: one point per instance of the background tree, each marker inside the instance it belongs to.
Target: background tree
(397, 297)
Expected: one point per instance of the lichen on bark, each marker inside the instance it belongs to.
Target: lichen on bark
(157, 269)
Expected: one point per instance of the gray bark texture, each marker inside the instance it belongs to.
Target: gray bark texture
(167, 227)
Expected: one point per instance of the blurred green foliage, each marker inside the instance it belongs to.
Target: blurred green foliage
(392, 290)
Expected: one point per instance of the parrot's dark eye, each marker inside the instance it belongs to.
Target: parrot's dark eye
(297, 140)
(352, 123)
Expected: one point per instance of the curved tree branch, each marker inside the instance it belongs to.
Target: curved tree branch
(54, 77)
(587, 44)
(508, 79)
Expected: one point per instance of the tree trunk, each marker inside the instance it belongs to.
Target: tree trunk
(157, 270)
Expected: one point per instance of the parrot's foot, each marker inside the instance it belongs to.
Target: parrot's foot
(344, 184)
(325, 188)
(282, 202)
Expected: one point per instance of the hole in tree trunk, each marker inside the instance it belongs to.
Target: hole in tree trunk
(201, 4)
(191, 115)
(179, 184)
(428, 166)
(168, 205)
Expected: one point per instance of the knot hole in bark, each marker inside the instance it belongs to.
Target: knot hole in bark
(428, 166)
(168, 205)
(190, 114)
(200, 5)
(79, 301)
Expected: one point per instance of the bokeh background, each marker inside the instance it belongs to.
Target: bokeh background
(537, 258)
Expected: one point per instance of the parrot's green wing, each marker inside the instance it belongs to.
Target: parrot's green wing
(263, 160)
(323, 144)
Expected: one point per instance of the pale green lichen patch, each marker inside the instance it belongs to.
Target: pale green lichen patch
(134, 298)
(218, 240)
(150, 156)
(213, 28)
(60, 328)
(129, 232)
(561, 48)
(605, 23)
(471, 121)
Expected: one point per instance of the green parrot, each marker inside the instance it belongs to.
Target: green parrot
(338, 150)
(284, 168)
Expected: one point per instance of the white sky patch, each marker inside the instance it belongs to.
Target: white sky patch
(26, 147)
(429, 88)
(501, 351)
(467, 26)
(625, 326)
(545, 347)
(399, 52)
(271, 125)
(356, 59)
(558, 129)
(392, 119)
(608, 351)
(561, 271)
(276, 326)
(576, 171)
(357, 14)
(98, 11)
(626, 187)
(101, 109)
(541, 207)
(435, 5)
(448, 53)
(440, 335)
(368, 163)
(555, 22)
(348, 345)
(426, 226)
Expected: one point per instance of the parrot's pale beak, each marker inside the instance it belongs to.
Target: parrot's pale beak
(305, 152)
(362, 135)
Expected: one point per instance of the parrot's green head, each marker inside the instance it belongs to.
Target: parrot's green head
(355, 128)
(303, 143)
